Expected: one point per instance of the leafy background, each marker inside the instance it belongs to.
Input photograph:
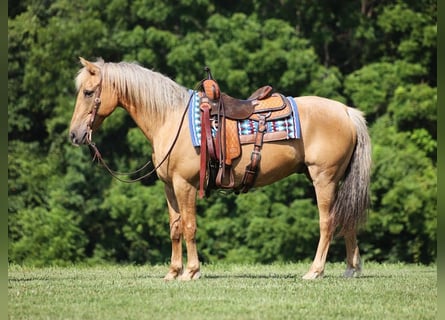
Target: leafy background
(378, 56)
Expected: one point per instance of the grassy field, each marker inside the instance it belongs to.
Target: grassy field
(385, 291)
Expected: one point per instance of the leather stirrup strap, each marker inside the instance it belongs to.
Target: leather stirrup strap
(206, 143)
(252, 169)
(203, 163)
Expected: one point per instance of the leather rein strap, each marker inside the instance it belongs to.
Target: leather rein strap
(97, 155)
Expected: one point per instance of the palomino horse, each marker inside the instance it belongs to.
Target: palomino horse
(334, 151)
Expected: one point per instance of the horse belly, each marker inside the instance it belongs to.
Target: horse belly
(278, 160)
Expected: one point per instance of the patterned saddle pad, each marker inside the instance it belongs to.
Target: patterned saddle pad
(280, 129)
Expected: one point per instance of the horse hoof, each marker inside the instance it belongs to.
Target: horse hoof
(173, 274)
(352, 273)
(190, 275)
(197, 275)
(313, 275)
(170, 276)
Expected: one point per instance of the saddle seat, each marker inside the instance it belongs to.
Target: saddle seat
(238, 109)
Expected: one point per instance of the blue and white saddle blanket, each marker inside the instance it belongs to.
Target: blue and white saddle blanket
(290, 125)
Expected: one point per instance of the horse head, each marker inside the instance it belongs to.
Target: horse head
(95, 101)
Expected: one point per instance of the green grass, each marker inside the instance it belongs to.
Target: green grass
(385, 291)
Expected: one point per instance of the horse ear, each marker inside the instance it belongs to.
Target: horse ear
(91, 67)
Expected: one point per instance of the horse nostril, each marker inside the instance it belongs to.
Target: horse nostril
(73, 138)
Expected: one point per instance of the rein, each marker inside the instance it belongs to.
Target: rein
(97, 155)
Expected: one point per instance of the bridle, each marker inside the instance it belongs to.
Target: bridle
(97, 155)
(96, 106)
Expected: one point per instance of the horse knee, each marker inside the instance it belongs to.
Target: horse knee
(175, 230)
(190, 231)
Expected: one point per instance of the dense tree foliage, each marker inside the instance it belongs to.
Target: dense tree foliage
(378, 56)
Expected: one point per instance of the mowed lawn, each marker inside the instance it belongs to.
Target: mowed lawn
(385, 291)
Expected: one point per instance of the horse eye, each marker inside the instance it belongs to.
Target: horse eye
(88, 93)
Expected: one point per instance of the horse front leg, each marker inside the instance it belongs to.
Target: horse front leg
(182, 208)
(186, 197)
(175, 235)
(192, 270)
(353, 260)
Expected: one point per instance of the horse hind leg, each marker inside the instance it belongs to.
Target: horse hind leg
(325, 193)
(353, 260)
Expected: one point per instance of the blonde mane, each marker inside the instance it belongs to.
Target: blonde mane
(151, 91)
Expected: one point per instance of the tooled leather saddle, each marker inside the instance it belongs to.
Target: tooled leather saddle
(221, 113)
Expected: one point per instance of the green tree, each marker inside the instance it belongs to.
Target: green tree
(377, 56)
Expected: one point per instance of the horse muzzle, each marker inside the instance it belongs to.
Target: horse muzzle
(78, 138)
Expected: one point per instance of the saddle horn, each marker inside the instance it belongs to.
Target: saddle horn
(210, 86)
(209, 73)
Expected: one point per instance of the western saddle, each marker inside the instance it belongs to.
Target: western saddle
(221, 113)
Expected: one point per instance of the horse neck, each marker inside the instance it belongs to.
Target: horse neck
(151, 121)
(149, 97)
